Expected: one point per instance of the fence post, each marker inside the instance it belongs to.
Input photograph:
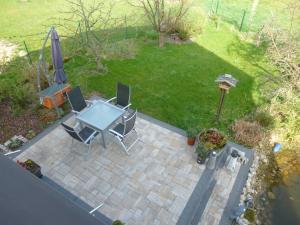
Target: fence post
(242, 22)
(28, 53)
(217, 7)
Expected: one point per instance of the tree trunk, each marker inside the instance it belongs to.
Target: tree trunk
(161, 39)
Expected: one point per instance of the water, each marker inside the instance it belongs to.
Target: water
(285, 208)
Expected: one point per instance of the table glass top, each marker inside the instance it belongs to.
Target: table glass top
(100, 115)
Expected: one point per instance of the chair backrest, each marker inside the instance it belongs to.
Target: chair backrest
(129, 123)
(76, 99)
(71, 132)
(123, 94)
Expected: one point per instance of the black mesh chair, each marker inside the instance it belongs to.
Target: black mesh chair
(85, 135)
(121, 130)
(122, 99)
(76, 100)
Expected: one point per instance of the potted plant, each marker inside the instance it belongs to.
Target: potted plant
(213, 140)
(202, 153)
(31, 166)
(191, 134)
(118, 222)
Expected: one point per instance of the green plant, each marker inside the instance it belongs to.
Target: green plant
(212, 139)
(31, 134)
(183, 30)
(118, 222)
(264, 119)
(191, 132)
(15, 143)
(201, 151)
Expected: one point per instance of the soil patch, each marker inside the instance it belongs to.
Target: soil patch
(30, 121)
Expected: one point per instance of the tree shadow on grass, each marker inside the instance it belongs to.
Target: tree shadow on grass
(250, 53)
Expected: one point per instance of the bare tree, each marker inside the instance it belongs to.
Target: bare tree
(162, 14)
(93, 19)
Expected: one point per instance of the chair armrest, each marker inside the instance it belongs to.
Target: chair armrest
(116, 133)
(109, 100)
(76, 126)
(127, 106)
(75, 112)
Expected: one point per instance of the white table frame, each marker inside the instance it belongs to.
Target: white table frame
(89, 123)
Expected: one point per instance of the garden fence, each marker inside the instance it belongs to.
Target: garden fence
(238, 13)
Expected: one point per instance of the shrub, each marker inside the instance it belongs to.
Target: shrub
(191, 132)
(15, 143)
(19, 94)
(212, 139)
(184, 30)
(247, 133)
(201, 151)
(285, 109)
(264, 119)
(118, 222)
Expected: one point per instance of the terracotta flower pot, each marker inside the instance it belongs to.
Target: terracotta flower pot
(191, 140)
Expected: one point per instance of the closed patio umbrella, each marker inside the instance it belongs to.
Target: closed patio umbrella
(57, 60)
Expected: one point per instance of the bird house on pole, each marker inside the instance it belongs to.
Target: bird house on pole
(225, 82)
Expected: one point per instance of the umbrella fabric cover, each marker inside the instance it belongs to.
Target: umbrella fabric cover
(57, 60)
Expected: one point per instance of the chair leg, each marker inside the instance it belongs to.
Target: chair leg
(126, 150)
(89, 150)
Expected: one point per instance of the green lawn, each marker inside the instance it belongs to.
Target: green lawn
(173, 84)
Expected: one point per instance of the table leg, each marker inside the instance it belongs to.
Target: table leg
(103, 139)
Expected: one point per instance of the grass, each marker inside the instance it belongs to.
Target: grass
(174, 84)
(232, 11)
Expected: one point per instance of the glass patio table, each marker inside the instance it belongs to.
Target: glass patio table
(100, 116)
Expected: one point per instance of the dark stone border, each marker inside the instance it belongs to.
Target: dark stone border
(194, 208)
(240, 181)
(196, 204)
(162, 124)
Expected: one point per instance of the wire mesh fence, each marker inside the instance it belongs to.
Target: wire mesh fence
(247, 15)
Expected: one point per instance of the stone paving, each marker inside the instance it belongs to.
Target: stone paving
(151, 186)
(214, 208)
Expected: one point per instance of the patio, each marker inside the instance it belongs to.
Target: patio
(151, 186)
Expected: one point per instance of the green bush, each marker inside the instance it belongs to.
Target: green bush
(264, 119)
(118, 222)
(182, 29)
(191, 132)
(212, 139)
(201, 151)
(18, 93)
